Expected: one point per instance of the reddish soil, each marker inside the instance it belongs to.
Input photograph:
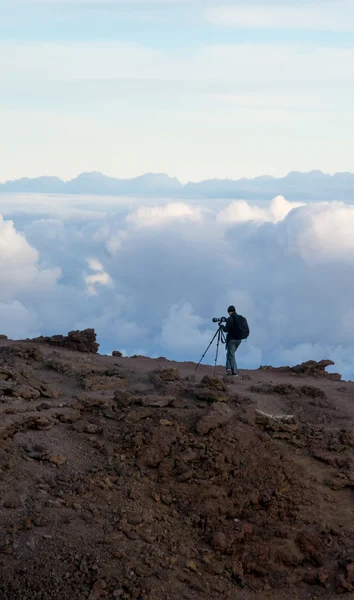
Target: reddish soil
(144, 479)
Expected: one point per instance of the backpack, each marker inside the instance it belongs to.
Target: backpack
(241, 329)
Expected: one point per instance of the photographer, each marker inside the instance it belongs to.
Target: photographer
(233, 340)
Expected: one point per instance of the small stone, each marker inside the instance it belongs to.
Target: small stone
(138, 440)
(132, 535)
(77, 506)
(54, 391)
(350, 572)
(98, 590)
(28, 524)
(134, 518)
(147, 537)
(323, 575)
(41, 423)
(12, 502)
(57, 459)
(184, 551)
(90, 428)
(343, 585)
(237, 569)
(216, 567)
(6, 549)
(123, 399)
(247, 529)
(219, 541)
(83, 566)
(192, 565)
(43, 406)
(156, 401)
(166, 423)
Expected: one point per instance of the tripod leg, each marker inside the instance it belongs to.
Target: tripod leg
(217, 349)
(216, 333)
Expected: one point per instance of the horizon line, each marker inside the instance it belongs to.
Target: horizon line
(183, 183)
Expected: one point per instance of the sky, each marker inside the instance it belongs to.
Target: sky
(196, 89)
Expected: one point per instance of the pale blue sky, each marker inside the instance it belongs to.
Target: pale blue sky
(195, 88)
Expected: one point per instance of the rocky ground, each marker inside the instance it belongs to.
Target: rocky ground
(144, 479)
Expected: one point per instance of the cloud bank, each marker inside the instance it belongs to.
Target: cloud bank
(149, 278)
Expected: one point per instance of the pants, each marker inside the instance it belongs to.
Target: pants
(230, 356)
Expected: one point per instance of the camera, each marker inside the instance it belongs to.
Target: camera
(219, 320)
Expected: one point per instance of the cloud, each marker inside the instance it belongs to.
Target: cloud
(99, 277)
(150, 279)
(240, 211)
(23, 283)
(19, 265)
(158, 215)
(321, 16)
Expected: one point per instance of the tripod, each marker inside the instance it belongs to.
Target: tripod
(220, 336)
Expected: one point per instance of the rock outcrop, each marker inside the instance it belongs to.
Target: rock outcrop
(81, 341)
(311, 368)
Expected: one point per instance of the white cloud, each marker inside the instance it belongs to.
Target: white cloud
(240, 211)
(171, 268)
(158, 215)
(321, 16)
(99, 277)
(20, 272)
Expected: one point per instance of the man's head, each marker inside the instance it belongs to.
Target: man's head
(231, 310)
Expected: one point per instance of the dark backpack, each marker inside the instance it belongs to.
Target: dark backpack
(241, 329)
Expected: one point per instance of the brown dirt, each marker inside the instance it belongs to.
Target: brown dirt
(145, 479)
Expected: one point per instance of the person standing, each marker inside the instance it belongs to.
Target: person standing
(237, 329)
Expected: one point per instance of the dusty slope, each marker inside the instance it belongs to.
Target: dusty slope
(143, 479)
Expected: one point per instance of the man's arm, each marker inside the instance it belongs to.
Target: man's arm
(228, 325)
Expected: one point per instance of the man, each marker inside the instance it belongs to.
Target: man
(233, 340)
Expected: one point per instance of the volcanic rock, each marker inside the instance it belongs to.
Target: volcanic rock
(311, 368)
(138, 488)
(219, 415)
(81, 341)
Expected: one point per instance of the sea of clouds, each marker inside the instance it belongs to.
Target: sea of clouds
(149, 276)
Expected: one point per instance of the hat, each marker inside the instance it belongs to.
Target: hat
(231, 309)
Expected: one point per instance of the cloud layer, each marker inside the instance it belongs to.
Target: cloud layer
(150, 278)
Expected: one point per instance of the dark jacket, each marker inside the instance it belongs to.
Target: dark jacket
(231, 329)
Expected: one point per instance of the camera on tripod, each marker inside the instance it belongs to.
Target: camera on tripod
(219, 334)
